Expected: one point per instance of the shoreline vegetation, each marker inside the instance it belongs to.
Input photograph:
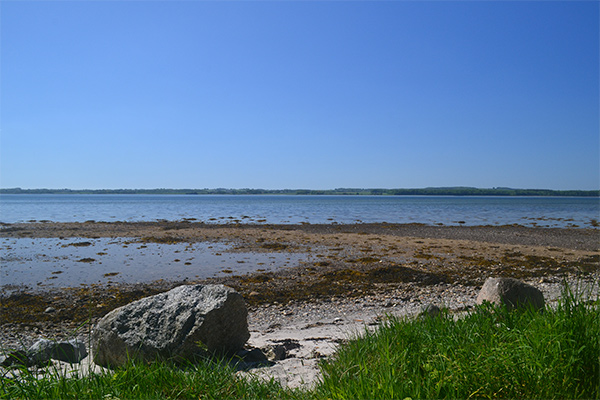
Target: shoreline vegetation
(432, 191)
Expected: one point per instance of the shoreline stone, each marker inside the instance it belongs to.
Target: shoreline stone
(511, 293)
(178, 324)
(45, 350)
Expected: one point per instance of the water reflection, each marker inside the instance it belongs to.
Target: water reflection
(52, 262)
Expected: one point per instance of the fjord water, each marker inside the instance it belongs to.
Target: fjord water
(289, 209)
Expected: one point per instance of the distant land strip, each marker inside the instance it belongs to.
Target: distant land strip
(434, 191)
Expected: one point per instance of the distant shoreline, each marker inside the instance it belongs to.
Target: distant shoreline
(437, 191)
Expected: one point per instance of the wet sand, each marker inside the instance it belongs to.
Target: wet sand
(347, 262)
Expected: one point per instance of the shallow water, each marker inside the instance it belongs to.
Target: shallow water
(47, 263)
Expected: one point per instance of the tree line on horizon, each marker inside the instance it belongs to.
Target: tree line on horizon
(433, 191)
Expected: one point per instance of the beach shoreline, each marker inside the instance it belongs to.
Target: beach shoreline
(349, 263)
(188, 230)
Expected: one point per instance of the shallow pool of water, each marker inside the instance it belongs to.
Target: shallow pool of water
(46, 263)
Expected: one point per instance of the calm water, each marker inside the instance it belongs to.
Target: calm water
(45, 263)
(41, 263)
(281, 209)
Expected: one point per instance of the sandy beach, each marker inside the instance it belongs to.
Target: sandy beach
(357, 273)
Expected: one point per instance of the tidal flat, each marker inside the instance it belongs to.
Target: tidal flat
(304, 263)
(51, 263)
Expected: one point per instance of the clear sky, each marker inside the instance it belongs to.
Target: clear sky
(299, 94)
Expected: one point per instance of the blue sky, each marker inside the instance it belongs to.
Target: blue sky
(299, 94)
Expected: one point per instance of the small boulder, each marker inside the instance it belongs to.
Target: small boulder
(176, 324)
(15, 358)
(44, 350)
(71, 351)
(430, 311)
(512, 293)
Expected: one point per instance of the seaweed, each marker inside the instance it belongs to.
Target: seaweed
(274, 246)
(162, 239)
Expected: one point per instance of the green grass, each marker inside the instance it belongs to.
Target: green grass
(207, 380)
(489, 353)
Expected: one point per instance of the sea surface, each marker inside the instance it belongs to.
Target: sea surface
(289, 209)
(44, 263)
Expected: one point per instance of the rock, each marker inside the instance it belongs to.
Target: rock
(275, 352)
(430, 310)
(247, 359)
(72, 351)
(44, 350)
(176, 324)
(280, 350)
(252, 356)
(511, 293)
(15, 358)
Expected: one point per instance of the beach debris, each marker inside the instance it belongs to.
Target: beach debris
(511, 293)
(179, 324)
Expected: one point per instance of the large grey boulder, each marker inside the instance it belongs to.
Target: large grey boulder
(511, 293)
(176, 324)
